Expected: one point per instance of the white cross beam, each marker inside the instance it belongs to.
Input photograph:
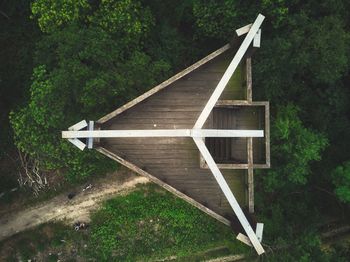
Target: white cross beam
(162, 133)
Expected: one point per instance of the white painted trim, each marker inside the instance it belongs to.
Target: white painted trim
(229, 72)
(229, 195)
(243, 30)
(90, 139)
(226, 133)
(259, 231)
(78, 126)
(163, 133)
(257, 39)
(77, 143)
(128, 133)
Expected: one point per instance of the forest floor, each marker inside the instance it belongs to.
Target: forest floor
(61, 208)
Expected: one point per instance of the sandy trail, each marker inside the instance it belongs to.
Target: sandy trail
(78, 208)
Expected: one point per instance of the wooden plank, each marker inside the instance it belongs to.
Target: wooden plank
(156, 147)
(164, 84)
(229, 166)
(152, 141)
(149, 126)
(78, 126)
(236, 166)
(77, 143)
(229, 72)
(261, 166)
(250, 175)
(167, 108)
(267, 134)
(164, 185)
(186, 154)
(244, 239)
(259, 231)
(229, 196)
(223, 103)
(159, 115)
(249, 79)
(243, 30)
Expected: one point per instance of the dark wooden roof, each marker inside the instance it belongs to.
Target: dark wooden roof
(176, 161)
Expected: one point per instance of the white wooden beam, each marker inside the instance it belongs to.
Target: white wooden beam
(257, 39)
(77, 143)
(229, 72)
(78, 126)
(259, 231)
(229, 195)
(243, 30)
(163, 133)
(90, 139)
(128, 133)
(226, 133)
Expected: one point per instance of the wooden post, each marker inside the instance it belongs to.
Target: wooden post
(250, 175)
(267, 134)
(249, 79)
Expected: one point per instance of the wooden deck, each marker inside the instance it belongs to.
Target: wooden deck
(175, 161)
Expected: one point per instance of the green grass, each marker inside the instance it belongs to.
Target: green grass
(147, 224)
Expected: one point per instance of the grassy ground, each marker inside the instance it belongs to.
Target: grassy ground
(146, 224)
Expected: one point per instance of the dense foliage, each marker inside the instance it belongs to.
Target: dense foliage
(341, 180)
(92, 56)
(83, 71)
(292, 150)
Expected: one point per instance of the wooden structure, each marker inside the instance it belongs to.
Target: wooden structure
(198, 134)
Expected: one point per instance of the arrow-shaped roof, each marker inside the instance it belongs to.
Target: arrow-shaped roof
(159, 133)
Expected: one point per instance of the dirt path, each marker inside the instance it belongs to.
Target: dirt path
(78, 208)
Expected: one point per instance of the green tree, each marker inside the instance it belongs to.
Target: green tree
(82, 72)
(127, 20)
(219, 19)
(341, 181)
(52, 14)
(293, 148)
